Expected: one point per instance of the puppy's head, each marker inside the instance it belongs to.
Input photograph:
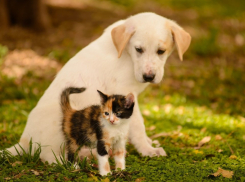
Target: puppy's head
(149, 39)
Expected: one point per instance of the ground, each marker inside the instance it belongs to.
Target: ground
(197, 113)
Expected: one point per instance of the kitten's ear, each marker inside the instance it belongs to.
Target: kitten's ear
(103, 97)
(129, 101)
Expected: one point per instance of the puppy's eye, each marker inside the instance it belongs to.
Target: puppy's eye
(139, 50)
(160, 52)
(106, 113)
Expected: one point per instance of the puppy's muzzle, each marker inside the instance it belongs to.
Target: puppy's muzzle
(149, 77)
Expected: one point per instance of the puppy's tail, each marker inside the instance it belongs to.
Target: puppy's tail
(65, 101)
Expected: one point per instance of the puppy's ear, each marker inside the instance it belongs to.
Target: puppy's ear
(129, 101)
(120, 36)
(182, 39)
(103, 97)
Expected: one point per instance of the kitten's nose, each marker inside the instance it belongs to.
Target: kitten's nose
(112, 121)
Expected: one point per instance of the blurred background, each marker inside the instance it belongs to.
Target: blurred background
(197, 112)
(38, 37)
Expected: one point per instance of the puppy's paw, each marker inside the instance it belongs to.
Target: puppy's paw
(152, 152)
(160, 152)
(105, 173)
(156, 143)
(149, 140)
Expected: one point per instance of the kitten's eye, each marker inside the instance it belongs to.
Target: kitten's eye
(160, 52)
(118, 114)
(106, 113)
(139, 50)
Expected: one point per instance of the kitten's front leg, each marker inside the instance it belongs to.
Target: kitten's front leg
(104, 166)
(119, 154)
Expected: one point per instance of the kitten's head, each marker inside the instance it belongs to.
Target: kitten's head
(116, 108)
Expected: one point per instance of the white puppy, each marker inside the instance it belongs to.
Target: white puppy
(128, 56)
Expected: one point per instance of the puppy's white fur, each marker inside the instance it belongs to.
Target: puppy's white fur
(112, 67)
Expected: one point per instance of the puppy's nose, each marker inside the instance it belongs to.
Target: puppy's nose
(149, 77)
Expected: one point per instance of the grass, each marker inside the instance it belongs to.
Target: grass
(201, 97)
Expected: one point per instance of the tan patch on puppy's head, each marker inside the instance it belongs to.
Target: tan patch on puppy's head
(181, 38)
(121, 36)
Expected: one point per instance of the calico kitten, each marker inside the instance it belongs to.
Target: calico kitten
(105, 126)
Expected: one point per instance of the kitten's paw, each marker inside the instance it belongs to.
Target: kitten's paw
(152, 152)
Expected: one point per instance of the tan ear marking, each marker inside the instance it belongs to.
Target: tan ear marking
(182, 39)
(121, 36)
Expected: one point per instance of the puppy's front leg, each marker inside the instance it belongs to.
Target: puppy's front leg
(138, 138)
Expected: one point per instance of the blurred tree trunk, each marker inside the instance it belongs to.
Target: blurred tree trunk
(26, 13)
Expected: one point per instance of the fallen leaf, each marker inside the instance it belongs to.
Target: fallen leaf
(18, 176)
(203, 141)
(35, 172)
(218, 137)
(17, 163)
(151, 128)
(7, 178)
(220, 150)
(233, 157)
(224, 173)
(227, 174)
(159, 135)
